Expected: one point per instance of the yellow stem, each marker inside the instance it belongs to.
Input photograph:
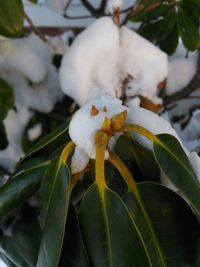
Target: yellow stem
(140, 130)
(124, 171)
(76, 177)
(66, 151)
(101, 141)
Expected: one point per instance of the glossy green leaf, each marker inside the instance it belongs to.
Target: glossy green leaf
(22, 247)
(170, 42)
(3, 137)
(11, 18)
(145, 166)
(57, 133)
(5, 260)
(170, 230)
(174, 163)
(188, 30)
(54, 201)
(73, 251)
(6, 98)
(20, 187)
(192, 7)
(110, 235)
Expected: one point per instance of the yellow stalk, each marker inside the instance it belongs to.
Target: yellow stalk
(76, 177)
(124, 171)
(140, 130)
(66, 151)
(101, 141)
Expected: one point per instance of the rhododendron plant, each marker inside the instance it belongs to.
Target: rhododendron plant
(115, 184)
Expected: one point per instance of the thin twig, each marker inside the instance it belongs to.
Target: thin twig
(67, 5)
(89, 7)
(35, 29)
(102, 6)
(96, 15)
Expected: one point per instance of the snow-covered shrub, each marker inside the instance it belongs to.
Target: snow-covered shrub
(91, 192)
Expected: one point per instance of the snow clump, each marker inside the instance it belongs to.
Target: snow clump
(90, 67)
(103, 56)
(144, 62)
(84, 125)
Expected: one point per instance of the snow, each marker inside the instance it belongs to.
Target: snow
(182, 68)
(15, 124)
(59, 44)
(35, 132)
(181, 72)
(27, 67)
(41, 96)
(113, 5)
(29, 56)
(26, 64)
(2, 264)
(90, 67)
(83, 125)
(103, 55)
(192, 130)
(195, 161)
(144, 62)
(57, 5)
(152, 122)
(79, 160)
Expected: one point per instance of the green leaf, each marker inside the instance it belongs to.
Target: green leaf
(33, 1)
(6, 97)
(22, 247)
(11, 18)
(20, 187)
(188, 30)
(174, 163)
(110, 235)
(73, 251)
(169, 227)
(170, 42)
(3, 137)
(54, 203)
(145, 165)
(7, 262)
(56, 134)
(192, 7)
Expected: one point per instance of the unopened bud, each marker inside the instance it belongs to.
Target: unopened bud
(106, 125)
(118, 121)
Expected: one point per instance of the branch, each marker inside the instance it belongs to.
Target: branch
(35, 29)
(186, 91)
(89, 7)
(102, 6)
(96, 15)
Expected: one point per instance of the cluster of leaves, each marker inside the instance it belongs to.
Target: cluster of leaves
(109, 225)
(165, 21)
